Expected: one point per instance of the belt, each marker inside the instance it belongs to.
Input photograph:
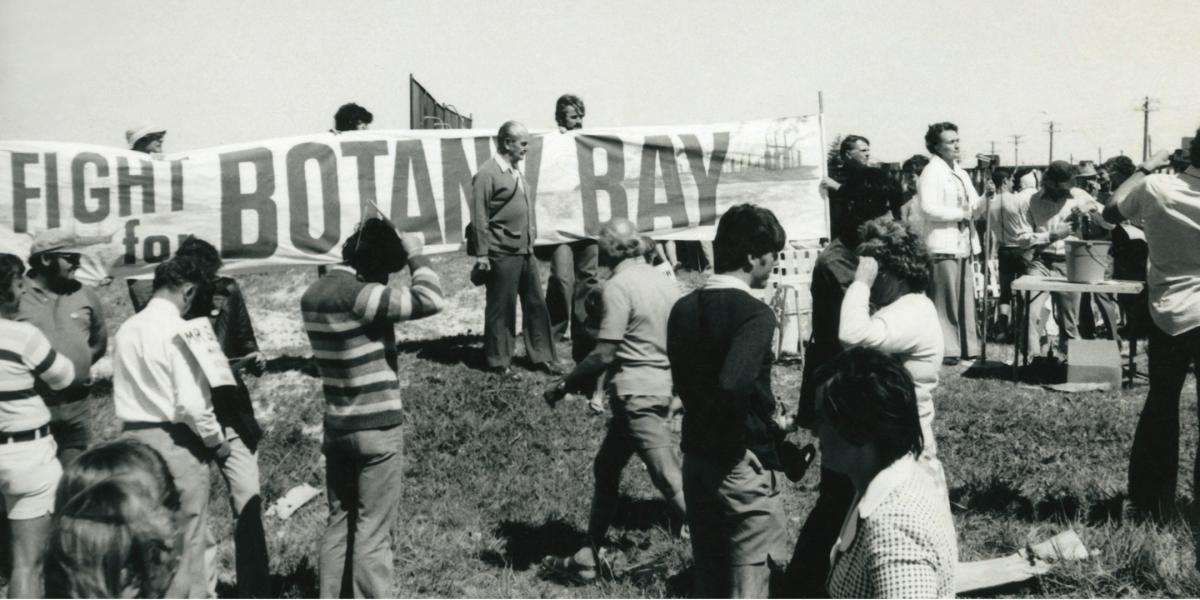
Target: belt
(25, 436)
(139, 425)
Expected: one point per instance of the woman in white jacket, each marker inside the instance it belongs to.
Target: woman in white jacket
(947, 203)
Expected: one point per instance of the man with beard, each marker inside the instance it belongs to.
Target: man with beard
(70, 316)
(1049, 214)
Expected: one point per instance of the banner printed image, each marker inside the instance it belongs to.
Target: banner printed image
(287, 202)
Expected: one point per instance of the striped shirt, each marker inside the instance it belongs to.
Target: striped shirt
(25, 353)
(350, 326)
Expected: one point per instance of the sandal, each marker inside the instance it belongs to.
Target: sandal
(567, 568)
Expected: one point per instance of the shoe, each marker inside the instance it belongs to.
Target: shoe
(568, 568)
(551, 367)
(504, 373)
(950, 361)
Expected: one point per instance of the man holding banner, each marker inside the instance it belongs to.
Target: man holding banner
(504, 230)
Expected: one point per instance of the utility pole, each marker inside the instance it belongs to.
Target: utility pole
(1099, 155)
(1016, 142)
(1146, 128)
(993, 147)
(1050, 130)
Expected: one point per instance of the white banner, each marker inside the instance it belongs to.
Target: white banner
(286, 202)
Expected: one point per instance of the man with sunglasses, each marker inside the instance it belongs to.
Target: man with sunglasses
(71, 317)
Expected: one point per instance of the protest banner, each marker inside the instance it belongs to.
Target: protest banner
(286, 202)
(201, 341)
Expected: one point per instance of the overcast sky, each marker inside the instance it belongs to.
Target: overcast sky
(217, 72)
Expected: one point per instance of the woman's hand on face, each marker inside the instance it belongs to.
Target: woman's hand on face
(867, 271)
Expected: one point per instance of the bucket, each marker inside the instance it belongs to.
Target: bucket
(1087, 260)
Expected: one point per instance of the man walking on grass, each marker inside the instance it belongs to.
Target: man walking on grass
(719, 343)
(632, 347)
(350, 315)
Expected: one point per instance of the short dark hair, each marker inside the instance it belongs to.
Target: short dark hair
(11, 267)
(505, 133)
(203, 252)
(915, 164)
(870, 398)
(869, 194)
(145, 141)
(374, 249)
(564, 101)
(849, 142)
(899, 250)
(1060, 171)
(349, 115)
(745, 230)
(1120, 166)
(933, 135)
(177, 272)
(1000, 175)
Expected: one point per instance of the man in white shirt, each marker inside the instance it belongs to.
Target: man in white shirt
(1168, 206)
(163, 399)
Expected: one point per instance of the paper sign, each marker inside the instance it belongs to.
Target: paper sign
(199, 338)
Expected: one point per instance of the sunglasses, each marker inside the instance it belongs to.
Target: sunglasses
(72, 258)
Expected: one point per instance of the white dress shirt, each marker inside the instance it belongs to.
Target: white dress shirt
(155, 377)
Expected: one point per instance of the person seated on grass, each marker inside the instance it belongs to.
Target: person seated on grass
(898, 539)
(632, 347)
(112, 540)
(893, 273)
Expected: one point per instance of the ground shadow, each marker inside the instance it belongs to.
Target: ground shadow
(283, 364)
(466, 350)
(1003, 498)
(1038, 372)
(642, 514)
(300, 582)
(525, 545)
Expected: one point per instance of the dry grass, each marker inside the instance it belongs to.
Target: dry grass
(495, 480)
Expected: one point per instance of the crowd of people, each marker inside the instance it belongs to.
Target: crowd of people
(893, 303)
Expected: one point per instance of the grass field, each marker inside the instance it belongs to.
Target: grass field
(496, 481)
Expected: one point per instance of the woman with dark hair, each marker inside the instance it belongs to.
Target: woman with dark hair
(893, 273)
(111, 541)
(29, 468)
(947, 203)
(121, 458)
(898, 539)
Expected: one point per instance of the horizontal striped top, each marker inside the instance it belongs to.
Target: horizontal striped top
(25, 354)
(350, 325)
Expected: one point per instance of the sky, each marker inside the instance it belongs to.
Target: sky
(219, 72)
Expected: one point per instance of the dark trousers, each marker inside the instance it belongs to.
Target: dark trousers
(574, 276)
(806, 573)
(513, 275)
(1154, 460)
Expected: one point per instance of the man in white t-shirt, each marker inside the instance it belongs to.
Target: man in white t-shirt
(1169, 207)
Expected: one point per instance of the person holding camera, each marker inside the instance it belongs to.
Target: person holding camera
(632, 348)
(350, 316)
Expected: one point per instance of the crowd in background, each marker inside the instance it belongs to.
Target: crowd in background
(893, 303)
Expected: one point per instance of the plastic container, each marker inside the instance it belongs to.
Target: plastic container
(1087, 260)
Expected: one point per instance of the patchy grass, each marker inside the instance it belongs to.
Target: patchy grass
(496, 481)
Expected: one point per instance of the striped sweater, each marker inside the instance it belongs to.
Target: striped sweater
(350, 326)
(25, 353)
